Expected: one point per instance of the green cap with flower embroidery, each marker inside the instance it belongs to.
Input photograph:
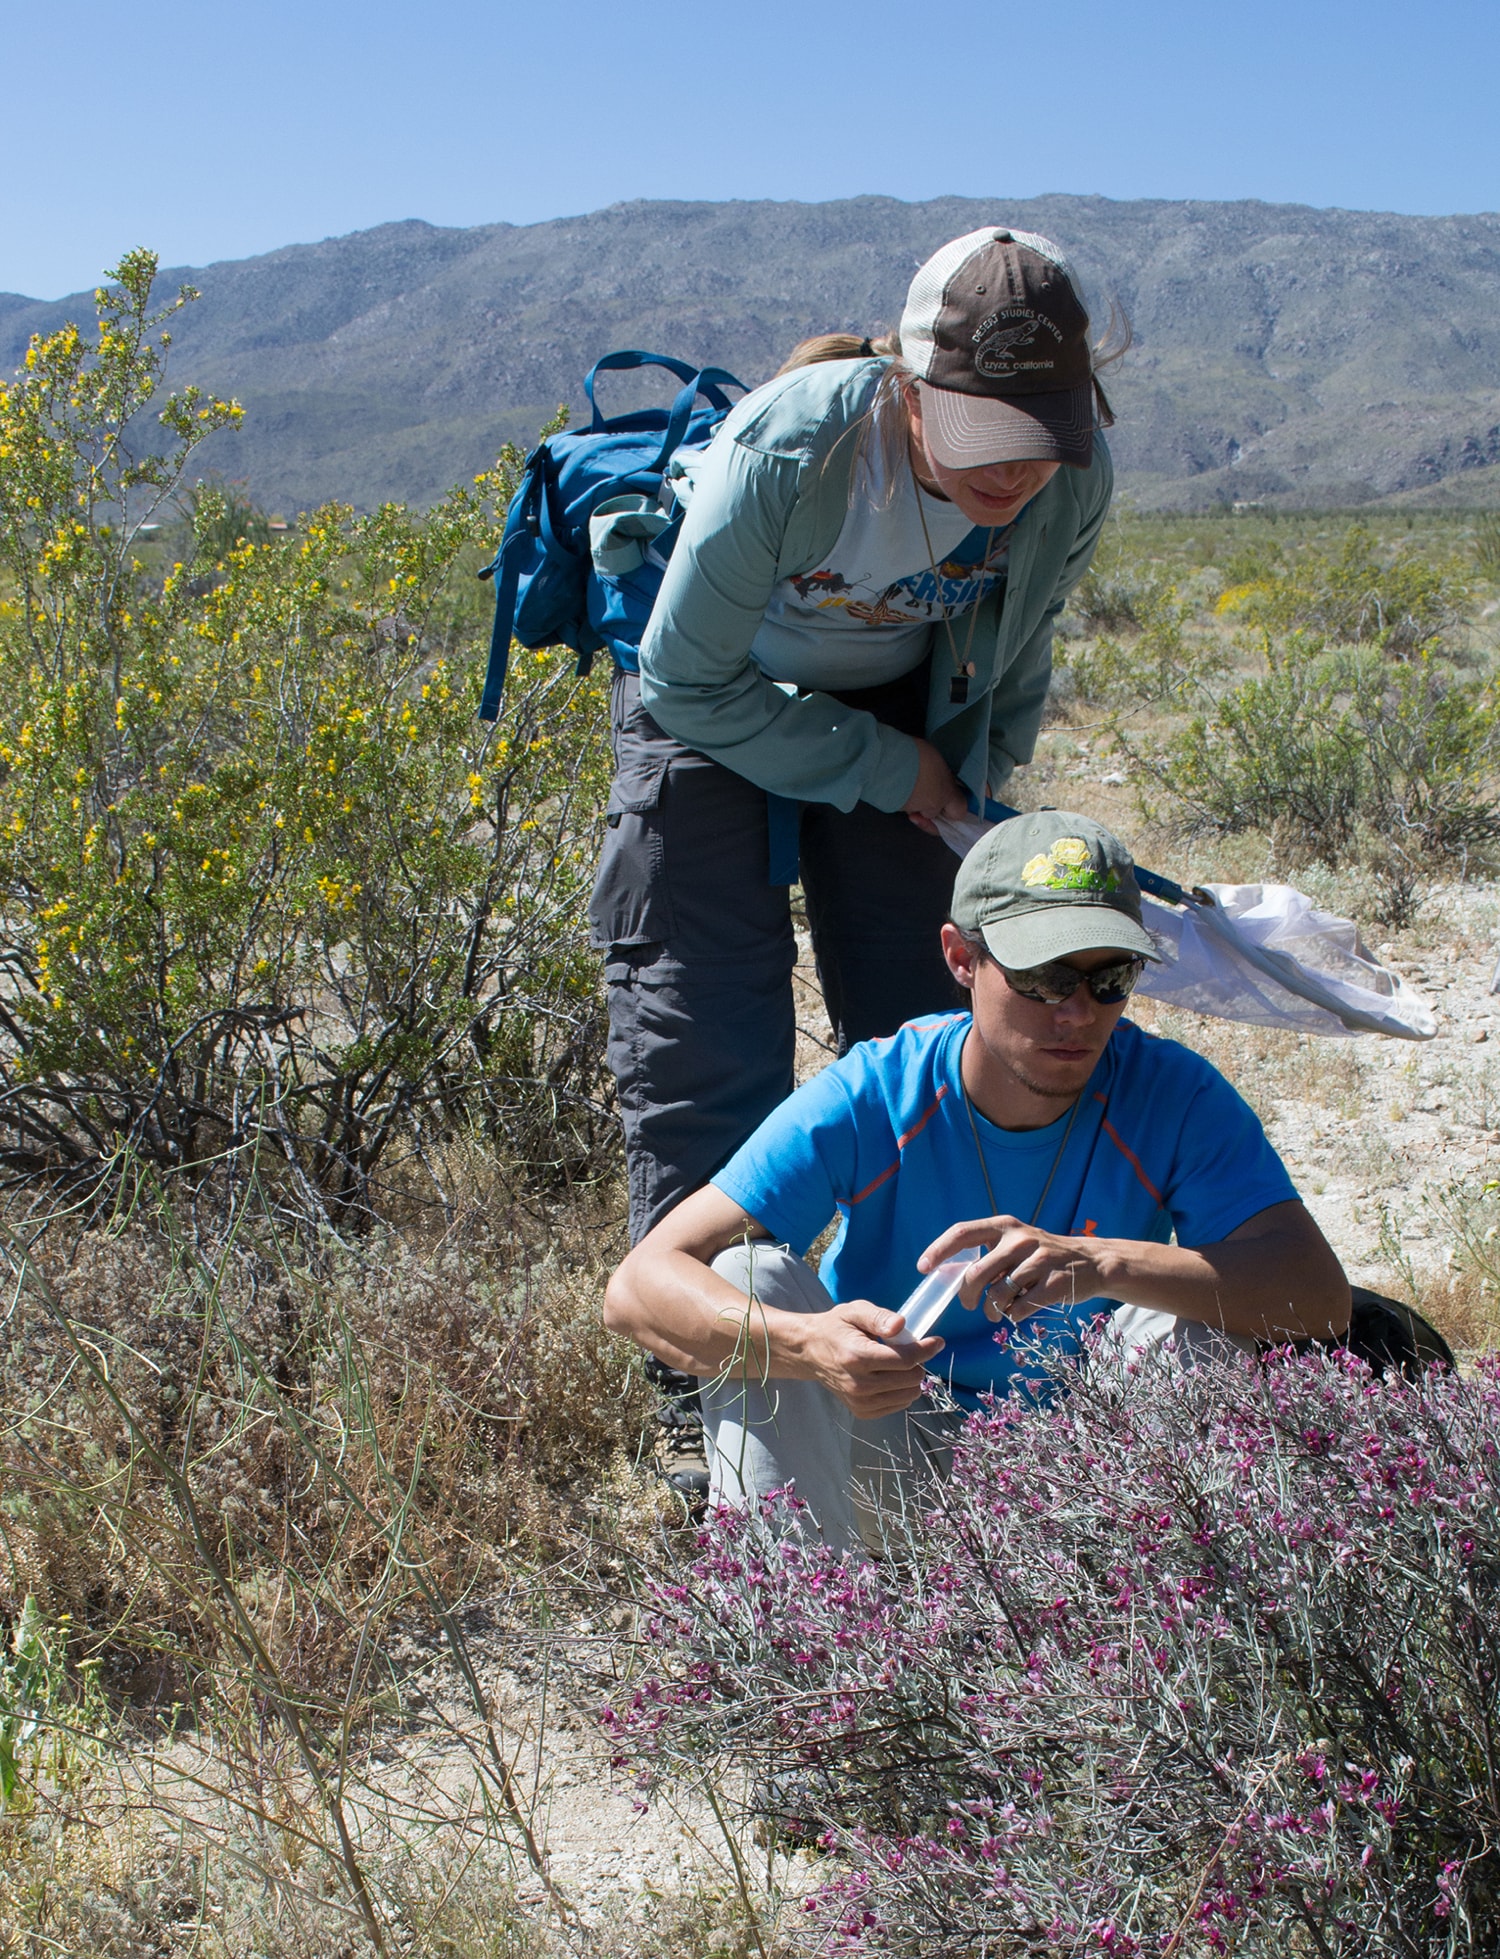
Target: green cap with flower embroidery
(1043, 886)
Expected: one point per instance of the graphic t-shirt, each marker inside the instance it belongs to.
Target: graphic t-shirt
(865, 615)
(1161, 1145)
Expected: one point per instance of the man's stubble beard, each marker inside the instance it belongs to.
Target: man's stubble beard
(1046, 1090)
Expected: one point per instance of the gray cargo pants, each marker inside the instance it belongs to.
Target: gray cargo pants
(698, 944)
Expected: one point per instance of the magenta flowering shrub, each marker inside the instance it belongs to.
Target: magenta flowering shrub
(1192, 1663)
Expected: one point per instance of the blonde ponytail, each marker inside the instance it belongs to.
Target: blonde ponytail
(840, 347)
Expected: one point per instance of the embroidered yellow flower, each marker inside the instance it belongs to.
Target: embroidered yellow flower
(1038, 871)
(1067, 867)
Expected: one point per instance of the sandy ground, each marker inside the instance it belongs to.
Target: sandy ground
(607, 1853)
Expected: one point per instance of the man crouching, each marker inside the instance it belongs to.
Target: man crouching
(1106, 1172)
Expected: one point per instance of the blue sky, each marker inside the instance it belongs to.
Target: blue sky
(213, 132)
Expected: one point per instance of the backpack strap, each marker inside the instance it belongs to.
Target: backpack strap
(558, 549)
(631, 357)
(521, 524)
(707, 383)
(508, 564)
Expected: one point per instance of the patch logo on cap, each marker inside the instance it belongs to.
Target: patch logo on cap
(1068, 866)
(1002, 337)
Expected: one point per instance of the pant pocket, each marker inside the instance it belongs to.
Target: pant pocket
(642, 750)
(631, 905)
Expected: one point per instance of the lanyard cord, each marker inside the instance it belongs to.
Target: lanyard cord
(962, 668)
(984, 1168)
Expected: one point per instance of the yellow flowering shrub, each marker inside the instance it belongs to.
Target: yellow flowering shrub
(268, 882)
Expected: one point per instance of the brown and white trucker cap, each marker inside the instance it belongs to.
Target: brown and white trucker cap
(997, 336)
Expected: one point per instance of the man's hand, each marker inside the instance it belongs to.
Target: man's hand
(937, 791)
(1274, 1277)
(667, 1298)
(1024, 1269)
(845, 1351)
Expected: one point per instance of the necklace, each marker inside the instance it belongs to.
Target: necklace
(984, 1168)
(963, 666)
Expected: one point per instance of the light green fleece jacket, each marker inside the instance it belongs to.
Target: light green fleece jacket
(768, 504)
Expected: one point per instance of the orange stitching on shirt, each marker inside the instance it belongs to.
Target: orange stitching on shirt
(1127, 1152)
(860, 1195)
(937, 1020)
(901, 1142)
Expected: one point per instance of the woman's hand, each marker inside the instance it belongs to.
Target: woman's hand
(937, 791)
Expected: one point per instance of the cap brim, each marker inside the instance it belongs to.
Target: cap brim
(964, 431)
(1057, 931)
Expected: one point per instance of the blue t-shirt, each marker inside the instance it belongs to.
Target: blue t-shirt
(1160, 1145)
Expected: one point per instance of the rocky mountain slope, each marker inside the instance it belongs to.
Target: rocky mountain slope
(1281, 353)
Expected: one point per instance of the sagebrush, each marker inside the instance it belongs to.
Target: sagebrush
(1359, 594)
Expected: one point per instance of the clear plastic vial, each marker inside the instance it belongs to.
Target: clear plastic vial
(926, 1305)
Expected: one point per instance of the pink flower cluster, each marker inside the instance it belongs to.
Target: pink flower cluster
(1192, 1662)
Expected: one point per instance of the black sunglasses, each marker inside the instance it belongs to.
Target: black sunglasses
(1056, 981)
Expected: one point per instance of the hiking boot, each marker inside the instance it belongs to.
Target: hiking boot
(681, 1449)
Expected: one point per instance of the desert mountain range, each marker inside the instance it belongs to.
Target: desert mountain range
(1281, 354)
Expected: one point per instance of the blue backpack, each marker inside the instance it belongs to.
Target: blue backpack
(588, 532)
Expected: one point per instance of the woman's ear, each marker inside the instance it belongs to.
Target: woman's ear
(916, 446)
(959, 955)
(911, 401)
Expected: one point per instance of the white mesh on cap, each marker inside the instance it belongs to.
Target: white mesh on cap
(924, 299)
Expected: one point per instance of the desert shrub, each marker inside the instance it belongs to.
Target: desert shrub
(435, 1905)
(1466, 1214)
(1339, 753)
(263, 1403)
(1253, 562)
(218, 518)
(1194, 1662)
(55, 1732)
(1162, 662)
(1115, 594)
(51, 1721)
(1354, 596)
(1487, 544)
(268, 882)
